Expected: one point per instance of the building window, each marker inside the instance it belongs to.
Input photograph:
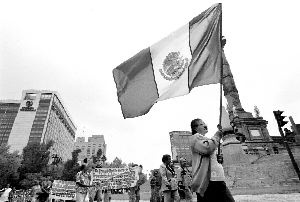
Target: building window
(255, 133)
(46, 95)
(30, 96)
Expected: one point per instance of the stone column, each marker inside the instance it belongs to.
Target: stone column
(229, 88)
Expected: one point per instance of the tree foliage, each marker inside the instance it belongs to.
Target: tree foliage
(35, 161)
(117, 163)
(54, 171)
(35, 157)
(30, 179)
(98, 156)
(9, 164)
(71, 167)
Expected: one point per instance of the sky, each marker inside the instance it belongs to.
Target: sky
(72, 47)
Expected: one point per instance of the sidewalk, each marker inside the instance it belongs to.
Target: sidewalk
(293, 197)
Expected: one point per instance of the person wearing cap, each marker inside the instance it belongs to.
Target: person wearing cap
(184, 180)
(208, 179)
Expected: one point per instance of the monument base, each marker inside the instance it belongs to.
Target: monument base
(233, 152)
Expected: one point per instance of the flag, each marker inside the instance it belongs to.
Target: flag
(187, 58)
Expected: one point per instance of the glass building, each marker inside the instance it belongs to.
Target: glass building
(40, 117)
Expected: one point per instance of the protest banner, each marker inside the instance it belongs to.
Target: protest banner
(65, 190)
(21, 195)
(115, 178)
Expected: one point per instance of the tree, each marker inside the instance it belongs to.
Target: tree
(71, 167)
(35, 161)
(55, 172)
(35, 157)
(103, 158)
(30, 179)
(117, 163)
(98, 156)
(9, 164)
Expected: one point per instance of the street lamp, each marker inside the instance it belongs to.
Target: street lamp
(56, 159)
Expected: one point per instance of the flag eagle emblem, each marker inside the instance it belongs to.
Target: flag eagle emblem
(173, 66)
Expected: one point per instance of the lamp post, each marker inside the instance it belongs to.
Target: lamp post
(56, 159)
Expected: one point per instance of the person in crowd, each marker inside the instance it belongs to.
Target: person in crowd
(45, 185)
(102, 194)
(155, 185)
(11, 194)
(208, 179)
(184, 180)
(142, 179)
(134, 192)
(169, 180)
(5, 193)
(106, 195)
(35, 191)
(83, 183)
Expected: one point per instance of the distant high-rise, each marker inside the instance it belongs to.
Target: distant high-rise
(180, 145)
(8, 112)
(90, 148)
(39, 116)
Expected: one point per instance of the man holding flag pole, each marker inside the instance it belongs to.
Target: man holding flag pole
(189, 57)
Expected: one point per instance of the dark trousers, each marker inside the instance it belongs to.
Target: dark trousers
(216, 191)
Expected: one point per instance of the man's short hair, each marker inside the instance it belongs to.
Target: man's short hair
(165, 158)
(194, 125)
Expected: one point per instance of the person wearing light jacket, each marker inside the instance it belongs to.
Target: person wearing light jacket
(169, 185)
(208, 179)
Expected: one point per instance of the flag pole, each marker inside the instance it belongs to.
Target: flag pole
(221, 77)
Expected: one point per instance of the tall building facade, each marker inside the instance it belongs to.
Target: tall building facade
(181, 145)
(90, 148)
(8, 112)
(41, 117)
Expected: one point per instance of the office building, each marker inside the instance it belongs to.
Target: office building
(8, 112)
(40, 116)
(90, 148)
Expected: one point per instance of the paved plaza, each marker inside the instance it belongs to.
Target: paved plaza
(292, 197)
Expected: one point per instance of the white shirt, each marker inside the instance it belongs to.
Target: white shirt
(4, 196)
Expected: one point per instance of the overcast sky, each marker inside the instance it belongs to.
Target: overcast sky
(72, 47)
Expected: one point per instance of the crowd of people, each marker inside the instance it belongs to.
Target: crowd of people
(168, 183)
(38, 193)
(86, 191)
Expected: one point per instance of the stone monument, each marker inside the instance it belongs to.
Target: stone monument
(250, 131)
